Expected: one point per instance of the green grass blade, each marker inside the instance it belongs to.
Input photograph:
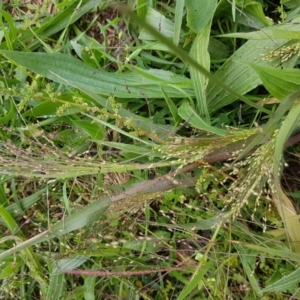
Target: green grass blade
(280, 83)
(158, 21)
(8, 220)
(283, 203)
(68, 70)
(199, 13)
(96, 132)
(267, 34)
(233, 8)
(214, 80)
(90, 287)
(28, 256)
(10, 31)
(202, 269)
(284, 253)
(162, 131)
(248, 262)
(273, 122)
(178, 21)
(140, 150)
(285, 283)
(199, 52)
(10, 114)
(76, 221)
(56, 287)
(117, 129)
(239, 77)
(53, 23)
(17, 209)
(70, 263)
(172, 107)
(46, 108)
(141, 8)
(187, 113)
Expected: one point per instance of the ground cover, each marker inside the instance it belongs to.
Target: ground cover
(149, 149)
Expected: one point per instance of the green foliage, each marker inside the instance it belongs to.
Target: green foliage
(199, 13)
(142, 149)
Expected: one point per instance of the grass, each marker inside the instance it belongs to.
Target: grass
(149, 150)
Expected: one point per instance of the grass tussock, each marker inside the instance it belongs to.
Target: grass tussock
(149, 150)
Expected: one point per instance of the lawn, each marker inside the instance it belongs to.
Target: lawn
(150, 149)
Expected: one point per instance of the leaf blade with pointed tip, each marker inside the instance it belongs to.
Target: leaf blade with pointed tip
(279, 82)
(188, 113)
(199, 13)
(68, 70)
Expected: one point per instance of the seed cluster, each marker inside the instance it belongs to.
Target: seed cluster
(284, 53)
(192, 149)
(255, 178)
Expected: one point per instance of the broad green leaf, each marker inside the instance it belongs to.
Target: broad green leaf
(266, 34)
(56, 287)
(202, 269)
(278, 82)
(94, 130)
(289, 217)
(49, 108)
(9, 269)
(187, 113)
(178, 21)
(10, 31)
(253, 14)
(10, 113)
(199, 13)
(284, 253)
(283, 203)
(248, 261)
(189, 60)
(292, 4)
(70, 263)
(200, 54)
(142, 6)
(217, 49)
(158, 21)
(90, 285)
(16, 209)
(288, 282)
(239, 77)
(68, 70)
(76, 221)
